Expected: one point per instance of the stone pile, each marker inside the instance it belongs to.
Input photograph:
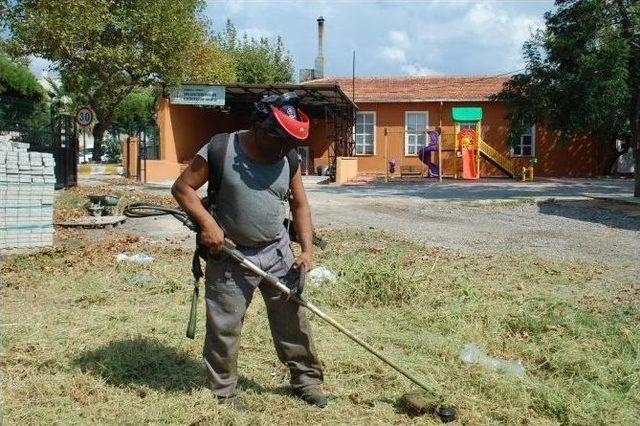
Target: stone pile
(27, 184)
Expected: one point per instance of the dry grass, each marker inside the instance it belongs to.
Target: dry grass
(89, 341)
(71, 203)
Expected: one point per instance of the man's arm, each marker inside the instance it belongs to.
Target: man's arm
(184, 191)
(301, 221)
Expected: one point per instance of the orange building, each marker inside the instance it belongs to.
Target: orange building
(349, 118)
(184, 129)
(407, 106)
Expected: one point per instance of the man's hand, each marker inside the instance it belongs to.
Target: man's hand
(212, 238)
(303, 259)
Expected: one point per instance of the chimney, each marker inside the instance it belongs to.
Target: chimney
(319, 63)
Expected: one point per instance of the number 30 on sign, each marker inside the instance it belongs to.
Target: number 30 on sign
(84, 115)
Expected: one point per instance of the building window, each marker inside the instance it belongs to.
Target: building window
(468, 125)
(364, 134)
(415, 131)
(526, 146)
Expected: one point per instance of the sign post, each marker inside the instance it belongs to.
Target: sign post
(84, 118)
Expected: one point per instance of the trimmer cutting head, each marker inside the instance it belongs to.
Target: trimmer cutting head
(417, 404)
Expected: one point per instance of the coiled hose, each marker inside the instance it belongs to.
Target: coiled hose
(140, 209)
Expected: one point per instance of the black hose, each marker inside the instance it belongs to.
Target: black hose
(139, 209)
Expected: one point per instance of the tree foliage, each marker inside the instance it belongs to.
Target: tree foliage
(108, 49)
(17, 81)
(135, 112)
(582, 73)
(210, 64)
(21, 96)
(257, 61)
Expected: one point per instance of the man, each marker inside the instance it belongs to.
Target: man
(251, 193)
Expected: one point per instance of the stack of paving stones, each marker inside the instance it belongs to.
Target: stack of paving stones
(27, 183)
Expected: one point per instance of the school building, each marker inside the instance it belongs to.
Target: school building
(378, 120)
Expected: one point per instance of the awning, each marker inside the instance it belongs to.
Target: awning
(314, 100)
(466, 114)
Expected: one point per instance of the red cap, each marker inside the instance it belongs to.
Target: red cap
(298, 129)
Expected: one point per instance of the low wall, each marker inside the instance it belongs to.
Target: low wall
(160, 171)
(346, 169)
(100, 169)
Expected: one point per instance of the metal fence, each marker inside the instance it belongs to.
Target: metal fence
(149, 138)
(45, 130)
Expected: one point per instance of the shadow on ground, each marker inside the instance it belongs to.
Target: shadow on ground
(147, 362)
(249, 385)
(144, 362)
(594, 211)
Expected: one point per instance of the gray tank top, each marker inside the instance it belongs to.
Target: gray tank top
(251, 202)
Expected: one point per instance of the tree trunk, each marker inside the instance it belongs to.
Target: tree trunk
(98, 133)
(634, 119)
(635, 143)
(629, 32)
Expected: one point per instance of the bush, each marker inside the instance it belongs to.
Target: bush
(112, 150)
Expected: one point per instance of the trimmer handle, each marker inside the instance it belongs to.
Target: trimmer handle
(230, 250)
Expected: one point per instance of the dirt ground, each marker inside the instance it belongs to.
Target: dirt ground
(554, 219)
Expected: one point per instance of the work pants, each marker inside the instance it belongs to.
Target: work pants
(228, 292)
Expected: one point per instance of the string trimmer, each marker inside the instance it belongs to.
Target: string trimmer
(413, 402)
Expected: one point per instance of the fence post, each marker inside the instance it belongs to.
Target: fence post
(386, 156)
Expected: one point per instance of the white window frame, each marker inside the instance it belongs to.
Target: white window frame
(355, 148)
(406, 132)
(520, 145)
(464, 125)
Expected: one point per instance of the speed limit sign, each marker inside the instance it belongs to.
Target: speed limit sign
(84, 115)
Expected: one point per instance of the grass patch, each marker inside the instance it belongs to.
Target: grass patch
(515, 202)
(86, 340)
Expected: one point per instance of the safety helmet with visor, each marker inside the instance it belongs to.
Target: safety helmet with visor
(281, 117)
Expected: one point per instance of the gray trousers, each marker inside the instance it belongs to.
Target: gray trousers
(228, 292)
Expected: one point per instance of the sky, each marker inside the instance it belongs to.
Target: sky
(389, 37)
(393, 37)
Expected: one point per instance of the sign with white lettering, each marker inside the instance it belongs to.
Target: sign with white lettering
(194, 94)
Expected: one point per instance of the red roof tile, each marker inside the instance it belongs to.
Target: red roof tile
(417, 89)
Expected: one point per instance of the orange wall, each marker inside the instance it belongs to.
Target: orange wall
(184, 129)
(581, 157)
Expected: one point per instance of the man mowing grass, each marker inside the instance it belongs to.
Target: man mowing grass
(251, 175)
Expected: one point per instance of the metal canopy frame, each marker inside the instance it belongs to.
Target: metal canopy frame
(320, 101)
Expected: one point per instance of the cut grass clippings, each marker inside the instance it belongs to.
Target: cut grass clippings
(87, 340)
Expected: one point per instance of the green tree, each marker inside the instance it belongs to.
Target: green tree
(16, 80)
(211, 64)
(59, 97)
(135, 112)
(582, 74)
(106, 49)
(21, 96)
(257, 61)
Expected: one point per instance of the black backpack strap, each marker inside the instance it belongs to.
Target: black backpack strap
(294, 162)
(216, 153)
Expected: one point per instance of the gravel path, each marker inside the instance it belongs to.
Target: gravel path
(493, 216)
(485, 216)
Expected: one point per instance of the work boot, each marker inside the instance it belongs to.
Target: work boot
(312, 396)
(232, 402)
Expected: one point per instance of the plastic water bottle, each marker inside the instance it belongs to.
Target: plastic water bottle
(470, 354)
